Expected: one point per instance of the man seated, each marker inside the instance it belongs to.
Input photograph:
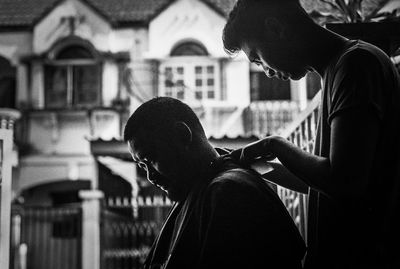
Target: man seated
(224, 216)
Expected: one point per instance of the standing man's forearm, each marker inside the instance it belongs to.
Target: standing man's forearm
(313, 170)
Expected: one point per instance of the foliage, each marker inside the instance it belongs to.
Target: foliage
(352, 11)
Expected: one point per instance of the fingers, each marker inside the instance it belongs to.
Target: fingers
(253, 151)
(269, 157)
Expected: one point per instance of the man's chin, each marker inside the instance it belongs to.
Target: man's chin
(175, 196)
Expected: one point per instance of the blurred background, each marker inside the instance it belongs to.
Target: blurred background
(71, 73)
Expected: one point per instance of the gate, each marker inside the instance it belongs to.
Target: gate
(46, 237)
(129, 228)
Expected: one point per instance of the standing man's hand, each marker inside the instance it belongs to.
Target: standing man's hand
(261, 149)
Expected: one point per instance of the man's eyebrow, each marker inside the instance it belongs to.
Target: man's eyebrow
(135, 157)
(140, 156)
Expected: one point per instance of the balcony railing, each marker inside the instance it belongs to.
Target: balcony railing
(301, 132)
(263, 118)
(127, 238)
(8, 118)
(65, 131)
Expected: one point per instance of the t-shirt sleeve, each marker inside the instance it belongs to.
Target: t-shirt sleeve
(229, 225)
(240, 228)
(358, 83)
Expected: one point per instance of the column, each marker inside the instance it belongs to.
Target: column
(91, 228)
(7, 160)
(37, 89)
(299, 92)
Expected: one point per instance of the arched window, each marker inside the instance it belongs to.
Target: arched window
(72, 78)
(189, 49)
(74, 52)
(190, 74)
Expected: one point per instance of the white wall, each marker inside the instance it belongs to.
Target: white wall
(41, 169)
(238, 81)
(298, 91)
(52, 133)
(51, 28)
(134, 40)
(109, 82)
(186, 20)
(15, 44)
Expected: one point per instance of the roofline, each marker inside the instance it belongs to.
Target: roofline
(160, 10)
(114, 23)
(15, 28)
(57, 2)
(167, 4)
(215, 8)
(102, 14)
(46, 11)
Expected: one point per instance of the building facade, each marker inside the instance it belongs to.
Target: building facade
(76, 69)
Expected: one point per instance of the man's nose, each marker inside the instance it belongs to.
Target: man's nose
(152, 175)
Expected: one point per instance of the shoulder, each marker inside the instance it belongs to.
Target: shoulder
(235, 178)
(238, 185)
(363, 56)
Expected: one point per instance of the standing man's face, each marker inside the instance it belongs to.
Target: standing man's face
(277, 60)
(163, 165)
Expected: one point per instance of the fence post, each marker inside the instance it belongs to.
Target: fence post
(8, 159)
(91, 228)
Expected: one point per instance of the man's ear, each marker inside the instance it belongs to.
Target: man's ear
(184, 133)
(274, 28)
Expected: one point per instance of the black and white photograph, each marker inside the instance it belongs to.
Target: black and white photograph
(199, 134)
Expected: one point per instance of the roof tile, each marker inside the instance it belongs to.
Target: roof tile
(222, 6)
(22, 12)
(27, 12)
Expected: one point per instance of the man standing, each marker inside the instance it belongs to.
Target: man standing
(224, 216)
(353, 174)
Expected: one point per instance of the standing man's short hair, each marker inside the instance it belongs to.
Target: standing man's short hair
(247, 18)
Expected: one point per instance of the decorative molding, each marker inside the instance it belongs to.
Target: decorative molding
(8, 117)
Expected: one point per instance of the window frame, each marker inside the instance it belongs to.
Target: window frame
(70, 64)
(256, 96)
(189, 64)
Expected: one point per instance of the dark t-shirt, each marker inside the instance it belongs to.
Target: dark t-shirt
(358, 234)
(231, 220)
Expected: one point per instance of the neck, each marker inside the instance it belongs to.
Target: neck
(327, 46)
(206, 154)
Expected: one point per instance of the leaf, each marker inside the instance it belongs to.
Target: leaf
(355, 8)
(354, 11)
(386, 16)
(343, 7)
(332, 5)
(324, 17)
